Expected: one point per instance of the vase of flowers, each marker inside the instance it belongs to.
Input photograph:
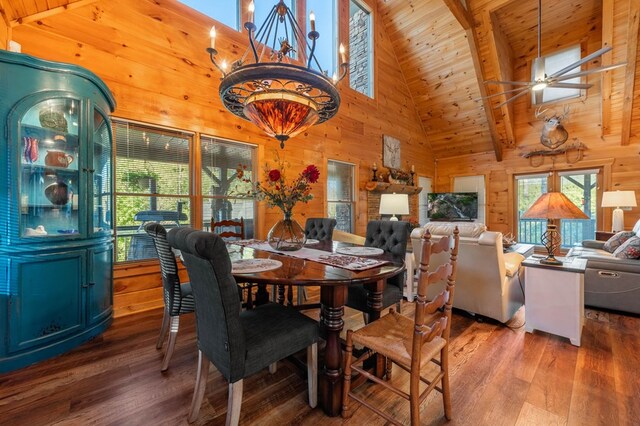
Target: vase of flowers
(286, 234)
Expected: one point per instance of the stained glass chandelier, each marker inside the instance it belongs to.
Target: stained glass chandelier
(280, 93)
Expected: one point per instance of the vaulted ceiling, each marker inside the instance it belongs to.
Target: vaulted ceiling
(446, 50)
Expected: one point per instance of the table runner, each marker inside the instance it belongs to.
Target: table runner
(352, 263)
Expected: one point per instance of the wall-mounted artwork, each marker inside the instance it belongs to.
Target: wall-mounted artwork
(390, 152)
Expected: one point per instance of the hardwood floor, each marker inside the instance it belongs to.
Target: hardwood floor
(499, 376)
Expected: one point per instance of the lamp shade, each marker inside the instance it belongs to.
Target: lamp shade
(394, 204)
(554, 205)
(619, 199)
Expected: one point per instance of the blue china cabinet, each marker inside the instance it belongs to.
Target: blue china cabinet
(56, 208)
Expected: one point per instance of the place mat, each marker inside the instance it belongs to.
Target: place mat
(311, 241)
(352, 263)
(360, 251)
(250, 266)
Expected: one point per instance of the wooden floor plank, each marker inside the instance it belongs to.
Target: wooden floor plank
(498, 376)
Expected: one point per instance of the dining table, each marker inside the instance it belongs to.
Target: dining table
(333, 282)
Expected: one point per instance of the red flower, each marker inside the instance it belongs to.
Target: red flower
(311, 173)
(274, 175)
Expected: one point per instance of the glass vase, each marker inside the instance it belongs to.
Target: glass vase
(286, 234)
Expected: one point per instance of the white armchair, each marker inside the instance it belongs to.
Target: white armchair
(488, 281)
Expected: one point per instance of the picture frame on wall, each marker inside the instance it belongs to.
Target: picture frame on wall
(390, 152)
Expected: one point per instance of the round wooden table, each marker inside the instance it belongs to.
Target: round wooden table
(333, 283)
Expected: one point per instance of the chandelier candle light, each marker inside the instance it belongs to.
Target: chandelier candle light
(552, 206)
(281, 94)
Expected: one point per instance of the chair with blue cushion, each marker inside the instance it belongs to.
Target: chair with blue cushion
(178, 299)
(392, 237)
(238, 344)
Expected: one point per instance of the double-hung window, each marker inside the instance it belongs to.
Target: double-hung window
(152, 185)
(225, 195)
(340, 194)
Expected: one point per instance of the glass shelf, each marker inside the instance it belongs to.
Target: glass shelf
(49, 177)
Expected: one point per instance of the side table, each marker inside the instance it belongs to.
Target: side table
(604, 235)
(554, 297)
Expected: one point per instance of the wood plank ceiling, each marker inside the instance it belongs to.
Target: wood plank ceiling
(434, 55)
(21, 11)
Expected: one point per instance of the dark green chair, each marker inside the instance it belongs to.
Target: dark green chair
(237, 343)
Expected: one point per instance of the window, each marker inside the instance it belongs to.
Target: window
(327, 25)
(555, 62)
(225, 11)
(152, 185)
(224, 195)
(340, 194)
(473, 184)
(580, 186)
(360, 48)
(423, 198)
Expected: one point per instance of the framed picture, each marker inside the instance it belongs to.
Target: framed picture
(390, 152)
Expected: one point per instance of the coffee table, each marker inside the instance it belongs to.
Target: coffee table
(554, 297)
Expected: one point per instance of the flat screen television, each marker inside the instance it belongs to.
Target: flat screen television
(452, 206)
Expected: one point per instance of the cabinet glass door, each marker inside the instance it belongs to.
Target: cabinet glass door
(49, 177)
(101, 172)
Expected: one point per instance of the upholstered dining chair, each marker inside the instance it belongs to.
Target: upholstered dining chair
(412, 345)
(238, 344)
(221, 228)
(178, 298)
(319, 228)
(392, 237)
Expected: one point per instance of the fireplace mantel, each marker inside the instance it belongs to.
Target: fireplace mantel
(390, 188)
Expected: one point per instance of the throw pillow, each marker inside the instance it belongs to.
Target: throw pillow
(629, 250)
(617, 240)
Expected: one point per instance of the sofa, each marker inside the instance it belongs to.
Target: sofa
(488, 281)
(609, 282)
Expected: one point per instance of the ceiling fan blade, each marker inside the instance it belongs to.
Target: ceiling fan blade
(569, 86)
(513, 98)
(581, 61)
(519, 89)
(515, 83)
(587, 72)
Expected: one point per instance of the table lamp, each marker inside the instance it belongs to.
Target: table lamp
(394, 204)
(552, 206)
(618, 199)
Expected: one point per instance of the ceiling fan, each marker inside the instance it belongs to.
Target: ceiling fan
(556, 80)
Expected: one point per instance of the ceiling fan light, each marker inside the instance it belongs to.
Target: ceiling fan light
(539, 85)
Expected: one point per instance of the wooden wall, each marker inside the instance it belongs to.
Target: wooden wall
(620, 164)
(152, 56)
(4, 32)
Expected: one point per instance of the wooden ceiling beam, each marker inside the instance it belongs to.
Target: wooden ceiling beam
(500, 58)
(466, 21)
(607, 59)
(50, 12)
(6, 12)
(630, 74)
(461, 13)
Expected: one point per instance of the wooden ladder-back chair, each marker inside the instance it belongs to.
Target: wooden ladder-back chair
(226, 234)
(411, 345)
